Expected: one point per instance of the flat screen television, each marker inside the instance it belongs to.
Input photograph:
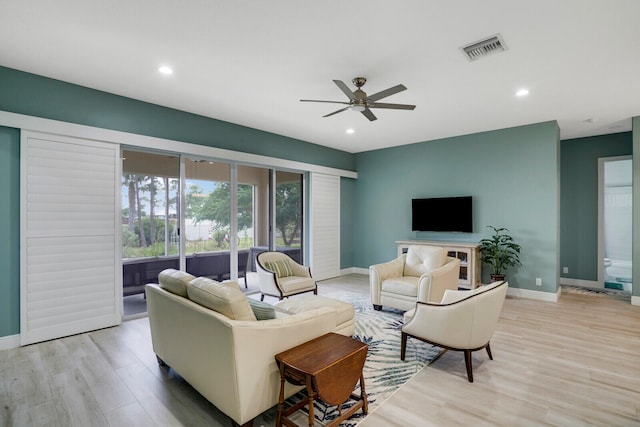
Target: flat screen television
(453, 214)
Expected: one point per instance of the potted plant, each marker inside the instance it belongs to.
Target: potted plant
(499, 251)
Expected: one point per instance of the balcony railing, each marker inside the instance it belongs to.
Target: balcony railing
(137, 272)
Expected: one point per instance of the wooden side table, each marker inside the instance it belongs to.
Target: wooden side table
(329, 366)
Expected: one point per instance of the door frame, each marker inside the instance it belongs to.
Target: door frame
(600, 261)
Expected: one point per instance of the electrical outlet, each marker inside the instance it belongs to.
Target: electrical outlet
(565, 270)
(538, 281)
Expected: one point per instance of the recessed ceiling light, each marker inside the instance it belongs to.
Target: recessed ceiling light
(165, 70)
(350, 131)
(522, 92)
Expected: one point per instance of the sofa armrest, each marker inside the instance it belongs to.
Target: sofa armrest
(255, 347)
(267, 281)
(299, 270)
(432, 285)
(378, 273)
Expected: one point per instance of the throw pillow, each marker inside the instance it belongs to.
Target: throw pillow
(175, 281)
(224, 298)
(262, 310)
(281, 268)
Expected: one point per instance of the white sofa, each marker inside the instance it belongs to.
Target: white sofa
(423, 274)
(221, 349)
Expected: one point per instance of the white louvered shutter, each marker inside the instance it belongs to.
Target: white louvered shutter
(325, 226)
(69, 256)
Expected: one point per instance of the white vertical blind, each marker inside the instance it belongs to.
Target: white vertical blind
(325, 225)
(70, 269)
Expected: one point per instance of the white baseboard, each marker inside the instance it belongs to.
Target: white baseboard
(580, 282)
(635, 300)
(355, 270)
(9, 342)
(535, 295)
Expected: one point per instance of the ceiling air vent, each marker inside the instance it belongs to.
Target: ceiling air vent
(484, 47)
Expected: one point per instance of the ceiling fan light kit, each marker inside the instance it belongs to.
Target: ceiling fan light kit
(359, 101)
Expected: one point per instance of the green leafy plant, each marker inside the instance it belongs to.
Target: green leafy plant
(500, 251)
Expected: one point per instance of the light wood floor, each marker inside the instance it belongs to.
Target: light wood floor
(571, 363)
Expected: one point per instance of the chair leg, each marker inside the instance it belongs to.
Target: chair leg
(403, 345)
(467, 362)
(161, 362)
(489, 352)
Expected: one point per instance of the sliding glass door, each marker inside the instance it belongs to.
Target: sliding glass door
(231, 213)
(149, 222)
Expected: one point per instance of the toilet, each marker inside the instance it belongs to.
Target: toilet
(618, 272)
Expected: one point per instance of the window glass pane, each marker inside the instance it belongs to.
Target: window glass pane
(253, 218)
(150, 241)
(246, 216)
(207, 218)
(289, 213)
(149, 203)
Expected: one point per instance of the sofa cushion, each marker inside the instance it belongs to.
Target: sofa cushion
(262, 310)
(406, 285)
(422, 259)
(280, 267)
(296, 283)
(174, 281)
(224, 298)
(345, 312)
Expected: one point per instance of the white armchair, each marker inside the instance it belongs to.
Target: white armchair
(422, 274)
(280, 276)
(463, 321)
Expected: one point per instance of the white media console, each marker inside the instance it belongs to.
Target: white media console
(468, 253)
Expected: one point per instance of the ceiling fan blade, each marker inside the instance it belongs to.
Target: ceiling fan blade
(386, 92)
(330, 102)
(337, 111)
(391, 106)
(368, 114)
(344, 88)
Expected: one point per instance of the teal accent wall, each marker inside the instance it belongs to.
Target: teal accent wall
(579, 200)
(10, 231)
(347, 196)
(512, 174)
(39, 96)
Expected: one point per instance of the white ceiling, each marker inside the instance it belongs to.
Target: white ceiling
(250, 62)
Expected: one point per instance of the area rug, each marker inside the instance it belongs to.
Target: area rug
(384, 372)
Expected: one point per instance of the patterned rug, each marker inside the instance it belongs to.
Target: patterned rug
(384, 372)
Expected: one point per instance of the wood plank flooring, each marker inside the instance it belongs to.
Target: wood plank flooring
(571, 363)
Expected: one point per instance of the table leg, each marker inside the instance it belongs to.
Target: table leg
(363, 396)
(280, 398)
(310, 396)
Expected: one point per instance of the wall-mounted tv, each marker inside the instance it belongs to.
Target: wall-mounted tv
(454, 214)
